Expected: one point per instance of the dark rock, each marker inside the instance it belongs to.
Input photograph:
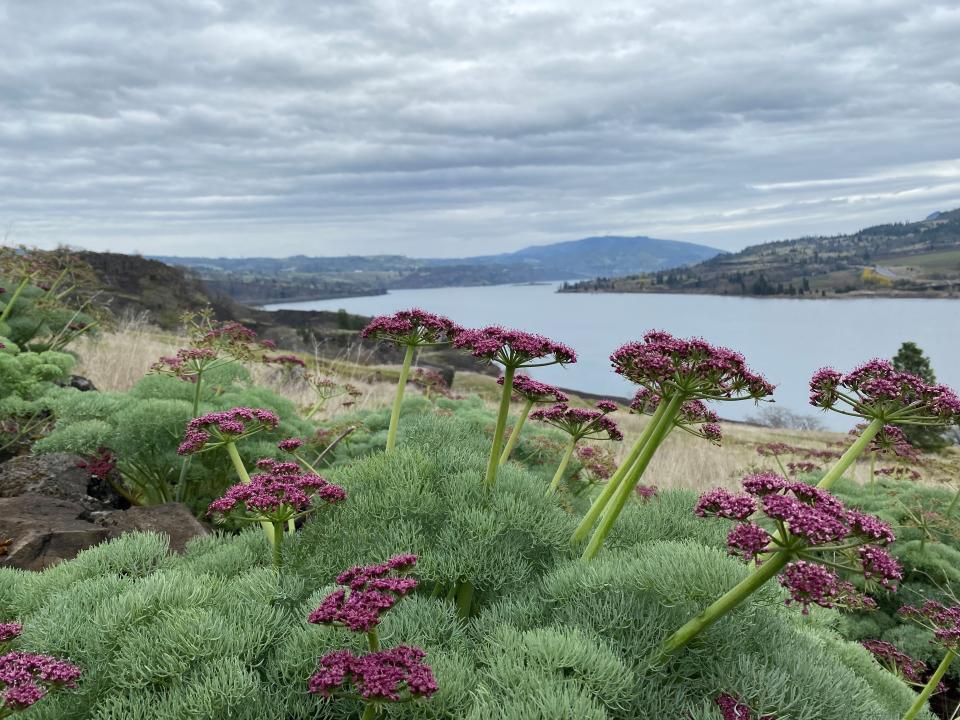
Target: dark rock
(43, 530)
(172, 519)
(82, 384)
(56, 475)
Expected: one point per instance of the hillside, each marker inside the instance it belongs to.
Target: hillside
(915, 259)
(263, 280)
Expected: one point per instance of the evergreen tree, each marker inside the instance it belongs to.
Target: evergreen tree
(910, 358)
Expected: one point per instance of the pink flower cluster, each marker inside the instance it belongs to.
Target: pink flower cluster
(891, 440)
(693, 413)
(412, 327)
(666, 365)
(513, 348)
(899, 663)
(100, 465)
(186, 362)
(942, 621)
(226, 426)
(733, 709)
(646, 492)
(290, 444)
(877, 390)
(397, 674)
(373, 590)
(277, 495)
(534, 391)
(582, 423)
(811, 521)
(10, 631)
(287, 361)
(26, 678)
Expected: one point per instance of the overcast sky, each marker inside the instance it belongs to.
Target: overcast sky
(447, 128)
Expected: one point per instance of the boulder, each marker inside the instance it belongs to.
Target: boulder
(56, 475)
(171, 519)
(39, 531)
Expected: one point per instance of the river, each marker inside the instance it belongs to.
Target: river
(785, 339)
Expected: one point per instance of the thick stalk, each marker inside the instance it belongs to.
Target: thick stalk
(629, 482)
(278, 545)
(851, 455)
(8, 308)
(515, 433)
(492, 464)
(398, 399)
(245, 479)
(464, 599)
(291, 526)
(373, 640)
(721, 607)
(370, 712)
(873, 474)
(590, 519)
(564, 461)
(930, 686)
(182, 481)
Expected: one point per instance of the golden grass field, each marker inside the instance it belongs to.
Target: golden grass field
(115, 361)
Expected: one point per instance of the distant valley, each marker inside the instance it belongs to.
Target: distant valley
(264, 280)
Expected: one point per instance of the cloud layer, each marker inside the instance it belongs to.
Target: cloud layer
(270, 127)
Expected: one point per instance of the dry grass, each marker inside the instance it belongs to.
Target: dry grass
(115, 361)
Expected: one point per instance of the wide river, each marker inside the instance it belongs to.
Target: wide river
(786, 340)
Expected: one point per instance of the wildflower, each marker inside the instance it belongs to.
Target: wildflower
(397, 675)
(26, 678)
(646, 492)
(692, 413)
(944, 623)
(514, 349)
(219, 428)
(725, 504)
(100, 465)
(532, 392)
(290, 444)
(10, 631)
(409, 329)
(748, 540)
(899, 663)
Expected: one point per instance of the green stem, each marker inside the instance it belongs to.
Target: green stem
(629, 482)
(851, 455)
(464, 598)
(590, 519)
(8, 308)
(267, 526)
(373, 640)
(873, 475)
(182, 481)
(370, 712)
(953, 503)
(398, 399)
(278, 545)
(515, 433)
(291, 526)
(492, 464)
(564, 461)
(722, 606)
(930, 686)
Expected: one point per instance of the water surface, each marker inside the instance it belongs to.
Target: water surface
(785, 339)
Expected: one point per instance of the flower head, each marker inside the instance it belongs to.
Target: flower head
(216, 428)
(646, 492)
(665, 365)
(581, 423)
(899, 663)
(10, 631)
(26, 678)
(368, 592)
(397, 674)
(513, 348)
(278, 495)
(723, 503)
(877, 390)
(290, 444)
(535, 391)
(810, 584)
(748, 540)
(412, 327)
(943, 621)
(694, 417)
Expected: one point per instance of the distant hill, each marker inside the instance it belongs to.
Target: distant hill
(264, 280)
(914, 259)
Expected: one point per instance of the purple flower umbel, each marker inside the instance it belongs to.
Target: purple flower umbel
(276, 496)
(910, 670)
(368, 593)
(412, 327)
(26, 678)
(396, 675)
(214, 429)
(582, 423)
(534, 391)
(514, 348)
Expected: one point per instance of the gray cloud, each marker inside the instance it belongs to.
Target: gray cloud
(452, 127)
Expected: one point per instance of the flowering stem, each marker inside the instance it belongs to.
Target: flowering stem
(8, 308)
(370, 712)
(851, 455)
(953, 503)
(586, 525)
(268, 527)
(564, 461)
(277, 545)
(930, 686)
(464, 598)
(693, 627)
(492, 464)
(630, 480)
(873, 475)
(398, 399)
(181, 482)
(373, 640)
(515, 433)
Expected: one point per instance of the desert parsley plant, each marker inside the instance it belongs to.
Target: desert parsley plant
(411, 330)
(801, 534)
(513, 349)
(579, 424)
(674, 373)
(531, 392)
(380, 676)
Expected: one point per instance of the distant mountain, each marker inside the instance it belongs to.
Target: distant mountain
(265, 280)
(915, 259)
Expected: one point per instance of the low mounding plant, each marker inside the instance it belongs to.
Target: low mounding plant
(676, 375)
(804, 536)
(411, 330)
(579, 424)
(27, 386)
(532, 393)
(513, 349)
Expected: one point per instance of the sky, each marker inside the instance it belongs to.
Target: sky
(452, 128)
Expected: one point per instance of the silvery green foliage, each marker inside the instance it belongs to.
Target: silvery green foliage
(217, 633)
